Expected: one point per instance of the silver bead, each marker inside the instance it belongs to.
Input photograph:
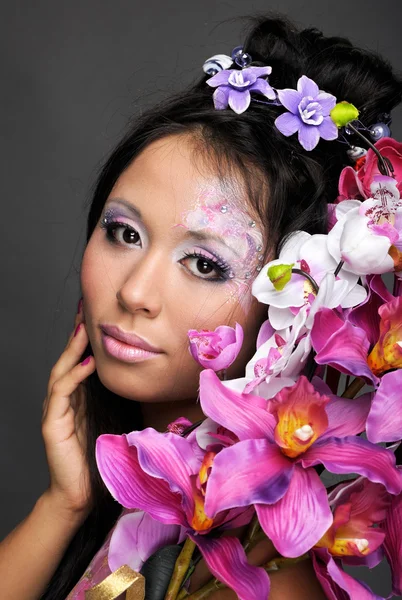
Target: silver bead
(231, 275)
(355, 152)
(247, 275)
(258, 268)
(252, 223)
(379, 130)
(259, 248)
(224, 209)
(261, 257)
(217, 63)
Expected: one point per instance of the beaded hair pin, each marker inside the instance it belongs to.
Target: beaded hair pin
(311, 113)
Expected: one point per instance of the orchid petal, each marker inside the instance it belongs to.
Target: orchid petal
(347, 417)
(227, 561)
(136, 537)
(384, 423)
(393, 542)
(168, 457)
(355, 455)
(340, 344)
(253, 471)
(336, 583)
(240, 413)
(300, 518)
(128, 484)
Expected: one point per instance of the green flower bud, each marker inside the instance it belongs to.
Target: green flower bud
(280, 275)
(343, 113)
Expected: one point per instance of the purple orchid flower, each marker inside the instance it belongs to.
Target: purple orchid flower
(166, 475)
(271, 465)
(233, 87)
(309, 113)
(217, 349)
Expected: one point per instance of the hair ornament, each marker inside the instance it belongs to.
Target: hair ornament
(311, 113)
(217, 63)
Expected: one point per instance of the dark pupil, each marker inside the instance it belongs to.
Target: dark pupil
(204, 267)
(130, 236)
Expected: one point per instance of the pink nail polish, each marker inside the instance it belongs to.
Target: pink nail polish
(77, 329)
(86, 361)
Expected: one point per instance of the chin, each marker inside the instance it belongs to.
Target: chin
(161, 387)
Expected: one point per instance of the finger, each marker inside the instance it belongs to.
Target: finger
(71, 355)
(59, 401)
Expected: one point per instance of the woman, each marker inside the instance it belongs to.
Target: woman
(185, 210)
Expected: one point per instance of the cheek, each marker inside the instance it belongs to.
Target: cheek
(96, 275)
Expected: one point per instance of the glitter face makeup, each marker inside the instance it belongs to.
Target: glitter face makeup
(218, 215)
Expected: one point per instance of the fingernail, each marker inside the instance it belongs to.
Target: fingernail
(77, 329)
(86, 361)
(79, 306)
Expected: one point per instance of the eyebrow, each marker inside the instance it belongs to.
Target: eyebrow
(198, 235)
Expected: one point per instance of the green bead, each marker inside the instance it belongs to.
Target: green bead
(280, 275)
(343, 113)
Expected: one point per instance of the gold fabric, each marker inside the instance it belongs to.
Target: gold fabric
(122, 580)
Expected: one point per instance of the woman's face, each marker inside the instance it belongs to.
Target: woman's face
(174, 249)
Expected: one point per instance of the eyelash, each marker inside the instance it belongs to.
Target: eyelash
(219, 265)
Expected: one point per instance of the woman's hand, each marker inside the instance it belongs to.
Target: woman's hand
(64, 426)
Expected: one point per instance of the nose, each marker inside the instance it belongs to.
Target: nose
(141, 289)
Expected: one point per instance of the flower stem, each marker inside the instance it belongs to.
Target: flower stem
(253, 529)
(180, 569)
(354, 388)
(275, 564)
(206, 590)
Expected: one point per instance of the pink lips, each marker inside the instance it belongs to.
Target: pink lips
(126, 346)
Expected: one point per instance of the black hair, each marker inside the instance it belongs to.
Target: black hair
(288, 186)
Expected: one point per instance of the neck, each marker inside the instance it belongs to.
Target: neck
(159, 414)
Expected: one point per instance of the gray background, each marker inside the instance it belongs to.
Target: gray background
(72, 73)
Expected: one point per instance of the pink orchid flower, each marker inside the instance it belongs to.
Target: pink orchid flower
(366, 519)
(217, 349)
(137, 536)
(357, 184)
(337, 584)
(358, 507)
(392, 527)
(166, 476)
(271, 465)
(345, 346)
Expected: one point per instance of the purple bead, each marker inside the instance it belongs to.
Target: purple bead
(241, 58)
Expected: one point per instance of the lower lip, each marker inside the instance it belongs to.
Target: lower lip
(125, 352)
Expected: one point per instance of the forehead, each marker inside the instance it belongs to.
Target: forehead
(171, 175)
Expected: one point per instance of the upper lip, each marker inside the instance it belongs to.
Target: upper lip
(129, 338)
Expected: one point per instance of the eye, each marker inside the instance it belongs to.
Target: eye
(203, 266)
(129, 235)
